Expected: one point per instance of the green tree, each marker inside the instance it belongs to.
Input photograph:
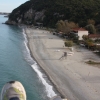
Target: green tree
(91, 21)
(59, 26)
(78, 11)
(90, 28)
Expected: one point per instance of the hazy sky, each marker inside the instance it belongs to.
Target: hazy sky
(9, 5)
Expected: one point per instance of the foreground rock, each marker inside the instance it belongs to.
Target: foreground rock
(10, 22)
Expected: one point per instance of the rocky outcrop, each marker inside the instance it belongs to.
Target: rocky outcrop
(39, 15)
(33, 12)
(29, 14)
(27, 18)
(9, 22)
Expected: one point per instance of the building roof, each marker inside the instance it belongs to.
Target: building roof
(94, 35)
(79, 29)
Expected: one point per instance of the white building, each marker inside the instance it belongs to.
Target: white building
(80, 32)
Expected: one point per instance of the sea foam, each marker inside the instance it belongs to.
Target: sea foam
(48, 88)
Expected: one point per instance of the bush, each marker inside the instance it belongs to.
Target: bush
(68, 43)
(85, 37)
(76, 40)
(92, 62)
(90, 44)
(91, 28)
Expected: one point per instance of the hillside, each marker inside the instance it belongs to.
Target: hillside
(49, 12)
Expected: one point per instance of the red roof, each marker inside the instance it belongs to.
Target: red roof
(94, 35)
(79, 29)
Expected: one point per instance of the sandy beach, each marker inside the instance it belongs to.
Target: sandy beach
(73, 78)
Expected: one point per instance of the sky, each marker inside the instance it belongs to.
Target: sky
(9, 5)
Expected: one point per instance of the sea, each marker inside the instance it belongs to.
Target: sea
(17, 64)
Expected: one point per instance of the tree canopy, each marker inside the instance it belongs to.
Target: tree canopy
(91, 29)
(78, 11)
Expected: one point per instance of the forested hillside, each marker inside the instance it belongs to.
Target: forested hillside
(49, 12)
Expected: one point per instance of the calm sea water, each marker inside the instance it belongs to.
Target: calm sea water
(17, 64)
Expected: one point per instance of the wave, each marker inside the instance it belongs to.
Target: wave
(49, 88)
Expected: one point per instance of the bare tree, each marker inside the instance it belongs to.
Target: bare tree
(65, 26)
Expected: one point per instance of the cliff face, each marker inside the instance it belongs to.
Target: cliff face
(24, 14)
(33, 12)
(49, 12)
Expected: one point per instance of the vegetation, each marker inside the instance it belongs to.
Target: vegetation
(65, 26)
(91, 21)
(85, 37)
(91, 29)
(20, 11)
(91, 44)
(68, 43)
(82, 12)
(62, 26)
(92, 62)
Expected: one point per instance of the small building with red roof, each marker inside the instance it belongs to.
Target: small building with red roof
(94, 36)
(80, 32)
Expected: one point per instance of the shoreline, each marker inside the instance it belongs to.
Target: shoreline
(71, 76)
(44, 71)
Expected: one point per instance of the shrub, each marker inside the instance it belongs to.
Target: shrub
(90, 44)
(85, 37)
(90, 28)
(68, 43)
(76, 40)
(92, 62)
(91, 21)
